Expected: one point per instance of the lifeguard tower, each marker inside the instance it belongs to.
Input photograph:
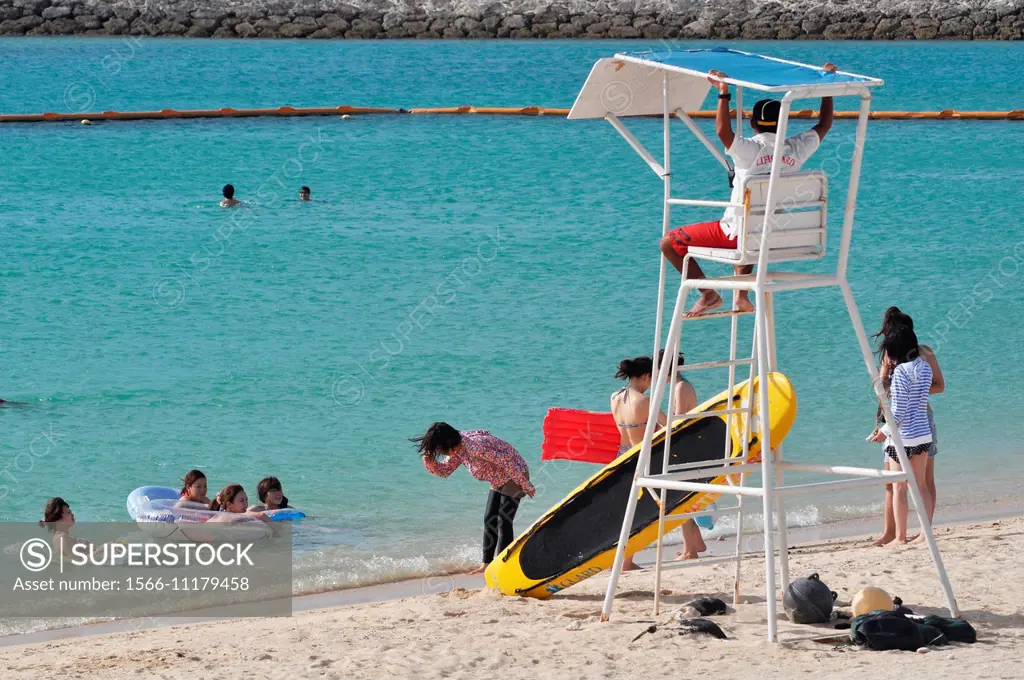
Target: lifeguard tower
(783, 219)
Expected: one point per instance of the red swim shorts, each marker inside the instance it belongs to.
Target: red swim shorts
(700, 235)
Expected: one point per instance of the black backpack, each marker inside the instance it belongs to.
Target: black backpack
(883, 630)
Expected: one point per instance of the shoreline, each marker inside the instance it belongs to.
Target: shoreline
(464, 633)
(440, 583)
(523, 19)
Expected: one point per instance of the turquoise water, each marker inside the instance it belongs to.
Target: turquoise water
(475, 270)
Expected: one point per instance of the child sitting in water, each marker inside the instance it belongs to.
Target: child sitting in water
(193, 493)
(270, 494)
(489, 459)
(231, 503)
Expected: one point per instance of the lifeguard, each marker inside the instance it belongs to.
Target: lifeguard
(751, 156)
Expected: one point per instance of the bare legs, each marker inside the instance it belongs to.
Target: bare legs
(927, 495)
(693, 542)
(889, 519)
(709, 299)
(919, 463)
(930, 483)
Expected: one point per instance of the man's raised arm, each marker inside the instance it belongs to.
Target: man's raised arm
(723, 121)
(825, 111)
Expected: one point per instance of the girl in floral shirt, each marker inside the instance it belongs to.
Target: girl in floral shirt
(489, 459)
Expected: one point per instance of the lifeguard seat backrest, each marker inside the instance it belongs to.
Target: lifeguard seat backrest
(799, 228)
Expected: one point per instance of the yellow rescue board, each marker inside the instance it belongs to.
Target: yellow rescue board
(577, 538)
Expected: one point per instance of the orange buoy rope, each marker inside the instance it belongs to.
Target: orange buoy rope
(289, 111)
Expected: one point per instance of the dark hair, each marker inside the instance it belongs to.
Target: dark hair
(191, 478)
(661, 358)
(900, 345)
(53, 511)
(439, 437)
(893, 318)
(268, 484)
(229, 191)
(636, 367)
(304, 190)
(765, 116)
(226, 495)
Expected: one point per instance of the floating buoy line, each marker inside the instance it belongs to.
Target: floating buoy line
(348, 111)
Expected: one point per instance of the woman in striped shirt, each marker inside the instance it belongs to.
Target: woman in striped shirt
(894, 319)
(908, 401)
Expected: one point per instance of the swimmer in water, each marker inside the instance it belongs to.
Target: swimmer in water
(193, 493)
(231, 504)
(270, 494)
(229, 197)
(58, 520)
(304, 194)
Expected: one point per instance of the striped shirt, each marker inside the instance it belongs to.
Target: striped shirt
(908, 400)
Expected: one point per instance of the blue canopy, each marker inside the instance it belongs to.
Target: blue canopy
(753, 70)
(632, 83)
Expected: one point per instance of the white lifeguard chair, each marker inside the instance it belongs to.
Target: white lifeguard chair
(783, 218)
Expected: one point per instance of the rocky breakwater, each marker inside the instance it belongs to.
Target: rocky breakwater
(397, 19)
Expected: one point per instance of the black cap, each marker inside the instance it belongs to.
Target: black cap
(766, 113)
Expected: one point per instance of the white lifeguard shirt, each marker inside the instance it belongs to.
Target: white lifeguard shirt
(753, 156)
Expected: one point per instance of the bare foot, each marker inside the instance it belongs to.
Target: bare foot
(900, 541)
(630, 565)
(686, 556)
(479, 570)
(917, 540)
(709, 300)
(743, 304)
(885, 539)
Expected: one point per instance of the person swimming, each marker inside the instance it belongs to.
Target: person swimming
(58, 519)
(193, 493)
(229, 197)
(270, 494)
(304, 194)
(231, 505)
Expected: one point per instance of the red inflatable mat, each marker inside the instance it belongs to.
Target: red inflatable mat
(583, 436)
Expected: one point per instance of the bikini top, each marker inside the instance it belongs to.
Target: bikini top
(625, 398)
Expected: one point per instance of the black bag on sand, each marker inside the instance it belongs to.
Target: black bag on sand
(808, 600)
(882, 630)
(955, 630)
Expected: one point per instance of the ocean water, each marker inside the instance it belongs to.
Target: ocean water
(477, 270)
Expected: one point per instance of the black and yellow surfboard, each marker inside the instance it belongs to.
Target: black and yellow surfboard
(577, 538)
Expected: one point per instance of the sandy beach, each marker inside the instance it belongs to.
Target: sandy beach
(467, 633)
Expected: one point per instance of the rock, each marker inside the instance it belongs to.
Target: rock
(56, 12)
(195, 32)
(623, 32)
(115, 26)
(514, 21)
(88, 21)
(600, 28)
(568, 30)
(653, 32)
(245, 30)
(295, 30)
(520, 33)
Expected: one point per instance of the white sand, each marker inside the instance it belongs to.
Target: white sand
(478, 634)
